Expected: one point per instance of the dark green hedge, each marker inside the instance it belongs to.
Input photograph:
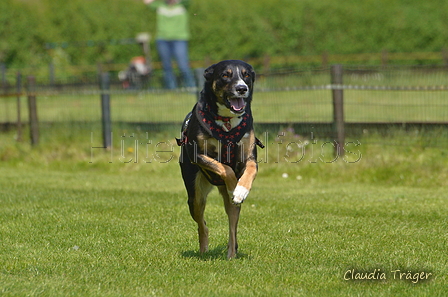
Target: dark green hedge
(220, 29)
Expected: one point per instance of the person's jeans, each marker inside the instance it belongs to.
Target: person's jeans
(177, 49)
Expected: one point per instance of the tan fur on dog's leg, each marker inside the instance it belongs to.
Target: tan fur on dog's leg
(203, 187)
(224, 171)
(233, 213)
(245, 182)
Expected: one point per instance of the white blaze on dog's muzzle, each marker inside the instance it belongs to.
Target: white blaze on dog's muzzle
(241, 89)
(240, 92)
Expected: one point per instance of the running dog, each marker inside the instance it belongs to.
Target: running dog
(218, 145)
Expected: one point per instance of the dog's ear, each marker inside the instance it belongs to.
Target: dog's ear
(252, 72)
(208, 73)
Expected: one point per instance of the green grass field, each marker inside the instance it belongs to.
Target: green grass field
(74, 224)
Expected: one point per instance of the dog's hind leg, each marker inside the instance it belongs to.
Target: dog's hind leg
(233, 213)
(197, 202)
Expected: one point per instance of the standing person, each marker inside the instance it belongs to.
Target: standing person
(172, 39)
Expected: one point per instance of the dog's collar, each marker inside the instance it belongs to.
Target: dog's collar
(226, 124)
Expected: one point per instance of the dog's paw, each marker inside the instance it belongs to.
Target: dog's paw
(239, 194)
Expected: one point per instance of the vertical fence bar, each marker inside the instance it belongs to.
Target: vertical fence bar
(338, 108)
(19, 108)
(32, 110)
(105, 109)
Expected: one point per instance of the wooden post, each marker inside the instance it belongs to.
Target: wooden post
(338, 108)
(105, 109)
(32, 110)
(19, 112)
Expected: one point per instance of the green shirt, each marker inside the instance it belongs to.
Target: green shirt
(172, 20)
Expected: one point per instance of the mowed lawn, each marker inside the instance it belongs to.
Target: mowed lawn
(98, 231)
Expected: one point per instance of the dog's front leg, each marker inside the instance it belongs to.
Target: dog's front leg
(233, 213)
(245, 182)
(225, 172)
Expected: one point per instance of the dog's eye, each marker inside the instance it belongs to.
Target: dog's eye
(225, 75)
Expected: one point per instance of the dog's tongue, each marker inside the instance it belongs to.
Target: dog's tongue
(237, 104)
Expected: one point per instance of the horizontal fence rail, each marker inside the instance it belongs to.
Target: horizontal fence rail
(373, 99)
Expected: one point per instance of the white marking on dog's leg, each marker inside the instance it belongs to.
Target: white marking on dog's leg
(239, 194)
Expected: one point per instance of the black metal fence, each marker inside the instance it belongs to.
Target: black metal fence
(337, 102)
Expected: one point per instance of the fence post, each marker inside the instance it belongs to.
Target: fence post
(19, 111)
(32, 110)
(105, 109)
(338, 108)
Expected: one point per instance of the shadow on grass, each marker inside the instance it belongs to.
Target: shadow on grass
(218, 253)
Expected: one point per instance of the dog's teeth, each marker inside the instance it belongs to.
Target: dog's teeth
(239, 194)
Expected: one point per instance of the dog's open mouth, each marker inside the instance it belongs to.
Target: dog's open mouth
(237, 105)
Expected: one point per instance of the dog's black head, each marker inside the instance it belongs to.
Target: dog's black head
(228, 86)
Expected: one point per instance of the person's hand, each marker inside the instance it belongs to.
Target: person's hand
(148, 1)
